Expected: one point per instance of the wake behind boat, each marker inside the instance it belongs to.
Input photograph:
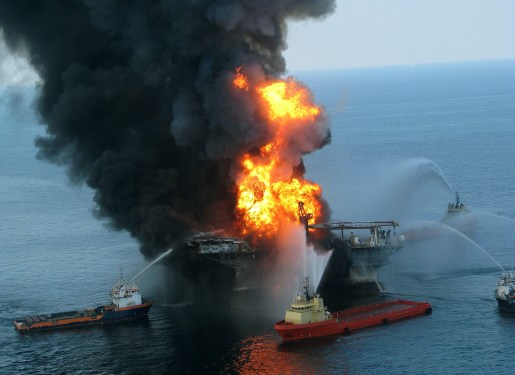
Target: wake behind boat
(126, 304)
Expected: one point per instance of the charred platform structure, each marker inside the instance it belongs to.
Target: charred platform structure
(219, 265)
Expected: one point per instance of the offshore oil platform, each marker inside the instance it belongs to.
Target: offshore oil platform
(229, 264)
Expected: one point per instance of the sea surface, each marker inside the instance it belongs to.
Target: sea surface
(404, 139)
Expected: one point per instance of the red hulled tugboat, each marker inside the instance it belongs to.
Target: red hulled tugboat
(309, 318)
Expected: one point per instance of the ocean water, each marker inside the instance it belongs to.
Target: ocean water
(403, 140)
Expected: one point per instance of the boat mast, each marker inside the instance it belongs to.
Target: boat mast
(306, 289)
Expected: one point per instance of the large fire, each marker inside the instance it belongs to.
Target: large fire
(288, 100)
(268, 191)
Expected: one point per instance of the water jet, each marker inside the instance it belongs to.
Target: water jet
(169, 251)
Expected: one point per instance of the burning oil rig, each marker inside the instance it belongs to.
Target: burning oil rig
(230, 264)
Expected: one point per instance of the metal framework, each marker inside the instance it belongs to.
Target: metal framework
(354, 225)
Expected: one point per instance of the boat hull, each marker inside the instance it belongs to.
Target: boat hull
(506, 304)
(82, 318)
(127, 313)
(347, 321)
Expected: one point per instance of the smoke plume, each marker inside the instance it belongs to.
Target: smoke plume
(137, 100)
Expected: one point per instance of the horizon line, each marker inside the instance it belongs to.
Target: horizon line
(402, 65)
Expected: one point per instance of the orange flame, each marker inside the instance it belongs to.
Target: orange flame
(240, 81)
(288, 100)
(263, 203)
(266, 196)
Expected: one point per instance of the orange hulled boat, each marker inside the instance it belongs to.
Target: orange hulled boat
(126, 304)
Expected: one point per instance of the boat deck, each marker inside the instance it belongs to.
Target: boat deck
(60, 316)
(349, 320)
(392, 309)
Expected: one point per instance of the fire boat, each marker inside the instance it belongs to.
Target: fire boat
(457, 207)
(459, 216)
(505, 291)
(126, 304)
(307, 316)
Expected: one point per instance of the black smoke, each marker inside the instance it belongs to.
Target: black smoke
(137, 100)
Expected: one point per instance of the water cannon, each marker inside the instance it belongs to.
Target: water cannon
(304, 217)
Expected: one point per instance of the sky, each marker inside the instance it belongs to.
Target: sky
(14, 70)
(364, 33)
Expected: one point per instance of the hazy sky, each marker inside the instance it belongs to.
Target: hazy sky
(380, 32)
(397, 32)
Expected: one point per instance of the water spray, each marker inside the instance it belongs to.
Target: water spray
(499, 217)
(474, 243)
(153, 262)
